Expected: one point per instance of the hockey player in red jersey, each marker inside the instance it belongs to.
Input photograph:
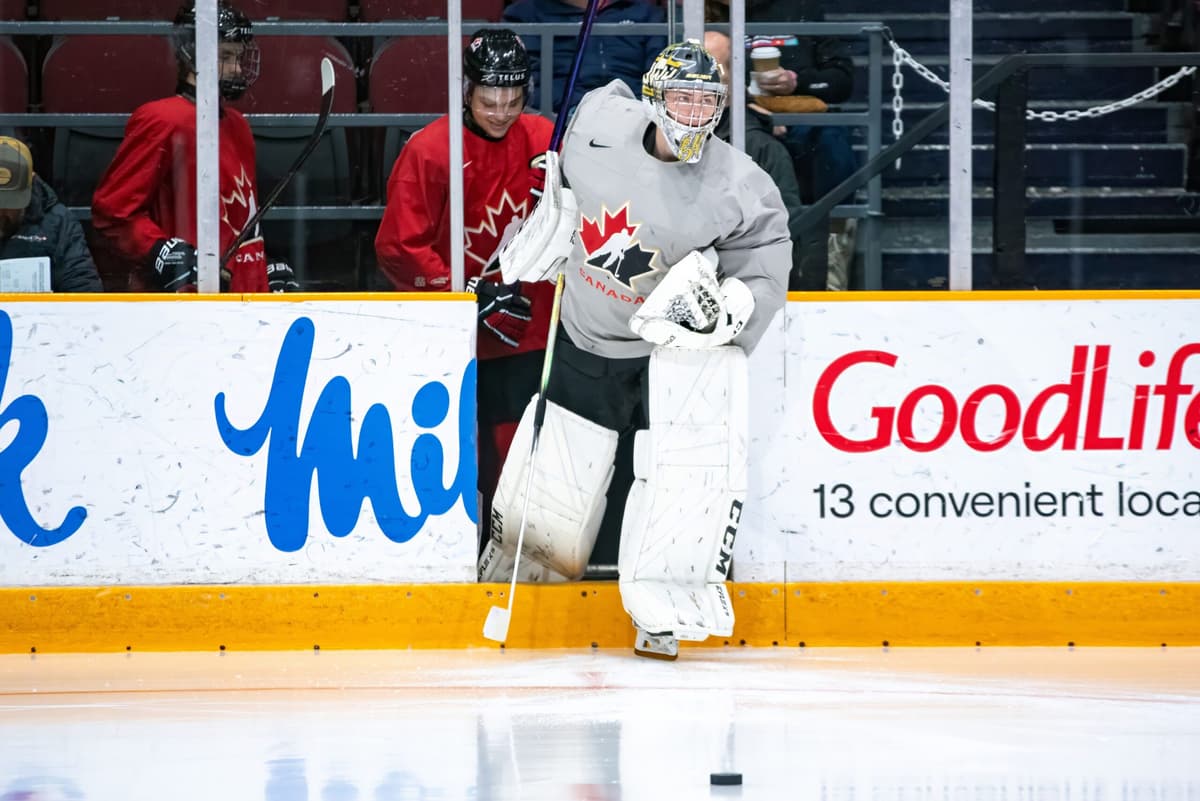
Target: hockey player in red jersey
(502, 147)
(143, 211)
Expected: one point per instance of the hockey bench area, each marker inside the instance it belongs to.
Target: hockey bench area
(948, 469)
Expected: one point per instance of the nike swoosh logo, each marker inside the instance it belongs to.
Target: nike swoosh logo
(594, 143)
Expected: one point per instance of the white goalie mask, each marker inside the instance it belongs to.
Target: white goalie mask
(686, 97)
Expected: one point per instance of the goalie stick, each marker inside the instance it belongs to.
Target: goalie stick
(319, 131)
(495, 628)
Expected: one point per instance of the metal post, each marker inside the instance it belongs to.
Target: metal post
(737, 82)
(208, 149)
(1008, 181)
(454, 87)
(960, 143)
(872, 267)
(693, 19)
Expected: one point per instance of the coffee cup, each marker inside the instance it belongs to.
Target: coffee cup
(764, 59)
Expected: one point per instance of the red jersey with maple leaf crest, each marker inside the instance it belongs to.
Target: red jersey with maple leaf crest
(413, 243)
(148, 193)
(640, 215)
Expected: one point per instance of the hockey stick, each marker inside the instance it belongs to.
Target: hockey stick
(322, 123)
(495, 628)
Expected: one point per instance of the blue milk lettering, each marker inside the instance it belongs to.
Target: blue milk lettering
(29, 413)
(345, 480)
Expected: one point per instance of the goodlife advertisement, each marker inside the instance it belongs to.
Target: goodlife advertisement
(990, 440)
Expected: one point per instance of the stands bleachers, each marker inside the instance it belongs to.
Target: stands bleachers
(12, 9)
(384, 10)
(105, 9)
(290, 83)
(388, 60)
(328, 10)
(98, 75)
(14, 89)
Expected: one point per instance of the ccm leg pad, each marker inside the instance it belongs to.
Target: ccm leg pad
(573, 467)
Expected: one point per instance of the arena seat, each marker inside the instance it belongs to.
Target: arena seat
(93, 10)
(327, 10)
(407, 76)
(12, 9)
(14, 89)
(290, 83)
(382, 10)
(99, 75)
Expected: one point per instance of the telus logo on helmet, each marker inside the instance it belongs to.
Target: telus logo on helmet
(1026, 420)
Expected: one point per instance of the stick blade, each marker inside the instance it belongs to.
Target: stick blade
(495, 628)
(326, 76)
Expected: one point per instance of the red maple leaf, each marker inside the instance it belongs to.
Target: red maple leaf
(594, 235)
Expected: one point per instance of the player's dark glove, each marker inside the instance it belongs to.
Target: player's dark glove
(502, 309)
(281, 277)
(174, 262)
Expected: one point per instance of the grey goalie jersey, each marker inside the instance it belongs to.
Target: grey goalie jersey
(640, 215)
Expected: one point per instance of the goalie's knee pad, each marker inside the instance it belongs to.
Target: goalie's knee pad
(685, 505)
(573, 467)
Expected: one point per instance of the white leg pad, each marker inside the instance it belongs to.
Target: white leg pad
(572, 470)
(496, 565)
(685, 505)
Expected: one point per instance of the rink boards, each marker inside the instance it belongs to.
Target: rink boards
(265, 473)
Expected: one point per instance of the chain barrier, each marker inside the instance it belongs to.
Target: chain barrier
(900, 57)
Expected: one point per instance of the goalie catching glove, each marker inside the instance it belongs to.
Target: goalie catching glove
(502, 309)
(690, 309)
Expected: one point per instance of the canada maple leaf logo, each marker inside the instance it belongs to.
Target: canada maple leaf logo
(241, 196)
(610, 246)
(483, 240)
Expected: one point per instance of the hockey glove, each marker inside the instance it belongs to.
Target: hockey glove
(281, 277)
(174, 262)
(502, 309)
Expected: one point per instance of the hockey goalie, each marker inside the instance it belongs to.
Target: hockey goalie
(675, 250)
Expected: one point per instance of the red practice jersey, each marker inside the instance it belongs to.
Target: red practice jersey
(413, 243)
(148, 193)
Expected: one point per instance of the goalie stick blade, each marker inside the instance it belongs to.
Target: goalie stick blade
(326, 77)
(495, 628)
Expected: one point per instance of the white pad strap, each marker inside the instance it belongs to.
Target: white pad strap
(685, 506)
(572, 470)
(545, 240)
(690, 309)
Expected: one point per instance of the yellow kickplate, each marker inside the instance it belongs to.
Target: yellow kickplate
(588, 614)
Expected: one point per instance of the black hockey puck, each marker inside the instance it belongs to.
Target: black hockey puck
(725, 778)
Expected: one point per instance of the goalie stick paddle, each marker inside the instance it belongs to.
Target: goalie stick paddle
(319, 131)
(495, 628)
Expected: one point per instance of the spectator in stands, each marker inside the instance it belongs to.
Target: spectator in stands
(502, 148)
(606, 57)
(35, 225)
(143, 211)
(762, 146)
(819, 67)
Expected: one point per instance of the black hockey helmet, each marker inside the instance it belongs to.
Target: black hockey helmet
(496, 57)
(690, 67)
(232, 26)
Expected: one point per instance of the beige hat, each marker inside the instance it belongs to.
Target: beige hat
(16, 174)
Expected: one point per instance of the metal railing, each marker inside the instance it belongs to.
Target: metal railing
(1008, 219)
(870, 119)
